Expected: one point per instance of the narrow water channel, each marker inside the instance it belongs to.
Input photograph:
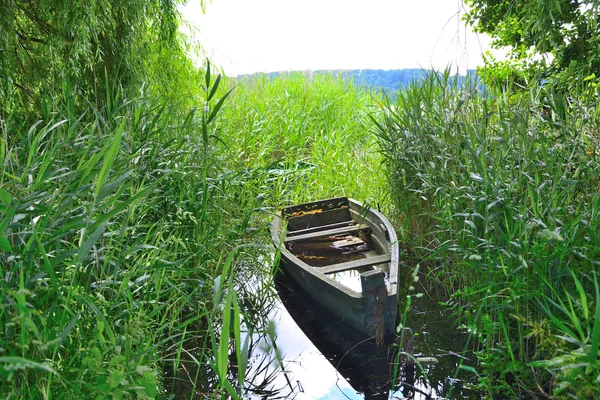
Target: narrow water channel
(323, 358)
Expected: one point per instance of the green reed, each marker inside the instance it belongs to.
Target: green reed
(315, 125)
(500, 195)
(113, 227)
(129, 234)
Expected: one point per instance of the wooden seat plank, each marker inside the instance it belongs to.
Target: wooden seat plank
(318, 218)
(365, 262)
(328, 204)
(321, 228)
(329, 232)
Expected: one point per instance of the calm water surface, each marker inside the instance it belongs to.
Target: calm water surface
(322, 358)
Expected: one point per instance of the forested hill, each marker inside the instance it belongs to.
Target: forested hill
(390, 80)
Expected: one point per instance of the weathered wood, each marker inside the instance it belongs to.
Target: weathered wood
(321, 228)
(329, 232)
(315, 205)
(375, 294)
(365, 262)
(328, 245)
(323, 251)
(324, 260)
(320, 218)
(373, 279)
(347, 241)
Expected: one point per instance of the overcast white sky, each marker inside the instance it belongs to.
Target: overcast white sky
(246, 36)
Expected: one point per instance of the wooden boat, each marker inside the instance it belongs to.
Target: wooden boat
(325, 244)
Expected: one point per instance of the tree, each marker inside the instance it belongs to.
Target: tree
(47, 43)
(567, 32)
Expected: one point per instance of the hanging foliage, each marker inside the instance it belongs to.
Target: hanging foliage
(46, 42)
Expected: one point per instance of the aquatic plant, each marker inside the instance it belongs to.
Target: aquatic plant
(499, 193)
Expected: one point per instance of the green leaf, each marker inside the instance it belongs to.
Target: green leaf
(223, 351)
(5, 197)
(231, 390)
(102, 220)
(468, 368)
(115, 378)
(110, 187)
(89, 243)
(557, 321)
(582, 296)
(551, 234)
(241, 360)
(19, 363)
(596, 329)
(63, 335)
(148, 381)
(109, 157)
(189, 117)
(118, 361)
(217, 107)
(102, 318)
(214, 88)
(207, 75)
(5, 245)
(47, 264)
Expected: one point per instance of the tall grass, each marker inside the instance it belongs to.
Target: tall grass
(314, 124)
(500, 194)
(134, 241)
(114, 226)
(133, 238)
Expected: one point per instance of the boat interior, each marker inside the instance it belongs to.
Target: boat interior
(336, 239)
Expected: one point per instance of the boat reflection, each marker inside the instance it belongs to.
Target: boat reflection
(362, 364)
(311, 354)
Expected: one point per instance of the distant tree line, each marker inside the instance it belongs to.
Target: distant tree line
(385, 80)
(390, 80)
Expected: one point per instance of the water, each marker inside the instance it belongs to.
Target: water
(323, 358)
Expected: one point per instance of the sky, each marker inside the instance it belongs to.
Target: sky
(247, 36)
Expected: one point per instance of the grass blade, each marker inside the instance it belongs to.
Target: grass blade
(110, 156)
(596, 328)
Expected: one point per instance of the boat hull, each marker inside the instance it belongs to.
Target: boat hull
(372, 310)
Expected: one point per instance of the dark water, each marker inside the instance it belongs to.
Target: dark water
(323, 358)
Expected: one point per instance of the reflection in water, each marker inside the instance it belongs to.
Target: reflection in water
(324, 358)
(350, 279)
(436, 335)
(358, 360)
